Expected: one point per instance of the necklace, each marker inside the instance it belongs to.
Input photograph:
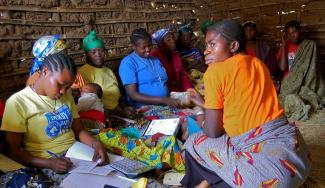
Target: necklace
(47, 104)
(155, 70)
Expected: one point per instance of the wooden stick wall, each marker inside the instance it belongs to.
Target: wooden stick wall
(24, 21)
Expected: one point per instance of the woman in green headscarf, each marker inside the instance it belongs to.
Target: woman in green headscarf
(94, 70)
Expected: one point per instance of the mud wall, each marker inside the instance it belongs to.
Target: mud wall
(24, 21)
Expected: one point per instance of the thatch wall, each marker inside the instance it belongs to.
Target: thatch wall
(24, 21)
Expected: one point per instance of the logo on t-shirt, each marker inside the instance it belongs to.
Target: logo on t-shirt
(59, 121)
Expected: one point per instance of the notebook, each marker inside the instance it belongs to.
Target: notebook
(164, 126)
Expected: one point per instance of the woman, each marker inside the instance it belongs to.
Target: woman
(192, 57)
(302, 90)
(95, 71)
(178, 79)
(259, 48)
(246, 141)
(41, 120)
(142, 75)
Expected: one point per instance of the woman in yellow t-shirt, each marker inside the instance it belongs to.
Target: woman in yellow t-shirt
(41, 121)
(246, 140)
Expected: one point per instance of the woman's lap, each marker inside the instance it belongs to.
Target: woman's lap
(30, 177)
(275, 156)
(195, 174)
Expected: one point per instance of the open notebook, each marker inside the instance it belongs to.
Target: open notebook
(81, 155)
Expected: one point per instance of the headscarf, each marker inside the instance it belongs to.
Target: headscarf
(91, 41)
(43, 47)
(159, 35)
(205, 24)
(185, 28)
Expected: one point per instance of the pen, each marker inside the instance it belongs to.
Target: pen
(124, 119)
(52, 154)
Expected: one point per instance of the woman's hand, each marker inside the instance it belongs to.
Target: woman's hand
(60, 165)
(195, 97)
(129, 111)
(100, 152)
(172, 102)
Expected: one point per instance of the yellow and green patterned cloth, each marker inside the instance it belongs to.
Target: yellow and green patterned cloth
(153, 151)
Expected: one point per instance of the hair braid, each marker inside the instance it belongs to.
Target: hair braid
(59, 62)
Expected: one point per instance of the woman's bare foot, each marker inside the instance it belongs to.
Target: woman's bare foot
(203, 184)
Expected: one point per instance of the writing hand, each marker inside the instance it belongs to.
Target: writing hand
(60, 165)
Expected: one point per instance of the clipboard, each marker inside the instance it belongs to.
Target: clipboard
(167, 127)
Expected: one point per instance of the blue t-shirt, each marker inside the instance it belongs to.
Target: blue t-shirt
(147, 73)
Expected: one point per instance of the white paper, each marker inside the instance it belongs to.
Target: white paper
(81, 156)
(102, 170)
(81, 166)
(80, 151)
(163, 126)
(88, 180)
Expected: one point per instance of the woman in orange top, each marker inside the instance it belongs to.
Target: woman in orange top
(246, 141)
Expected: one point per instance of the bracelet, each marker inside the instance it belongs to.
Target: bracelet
(200, 113)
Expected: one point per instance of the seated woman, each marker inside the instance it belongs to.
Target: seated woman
(191, 56)
(94, 71)
(145, 81)
(42, 119)
(246, 140)
(257, 47)
(143, 76)
(178, 79)
(302, 88)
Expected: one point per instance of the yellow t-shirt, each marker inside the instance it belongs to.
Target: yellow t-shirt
(32, 114)
(106, 79)
(242, 87)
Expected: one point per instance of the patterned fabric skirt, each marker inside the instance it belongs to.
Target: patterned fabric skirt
(31, 177)
(271, 155)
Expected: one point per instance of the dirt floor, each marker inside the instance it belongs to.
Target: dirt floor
(313, 132)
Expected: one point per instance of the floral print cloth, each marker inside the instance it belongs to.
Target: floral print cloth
(271, 155)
